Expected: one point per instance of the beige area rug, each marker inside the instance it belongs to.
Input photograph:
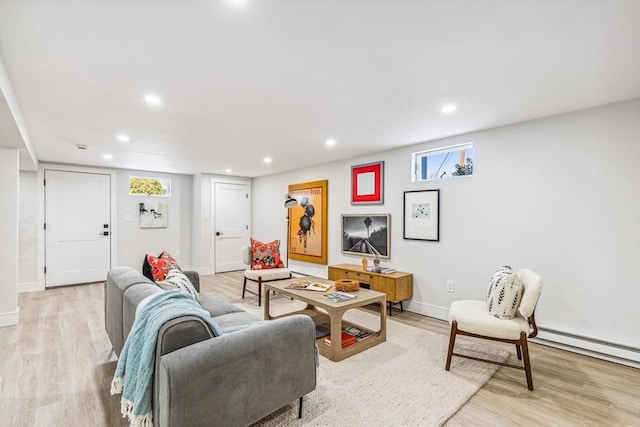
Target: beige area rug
(401, 382)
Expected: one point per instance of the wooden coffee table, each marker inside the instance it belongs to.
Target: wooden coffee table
(329, 314)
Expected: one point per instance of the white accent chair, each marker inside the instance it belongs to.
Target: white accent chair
(472, 318)
(260, 276)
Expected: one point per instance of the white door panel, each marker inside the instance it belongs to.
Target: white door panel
(77, 212)
(231, 207)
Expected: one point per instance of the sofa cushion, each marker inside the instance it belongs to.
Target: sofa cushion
(132, 297)
(119, 279)
(233, 320)
(265, 255)
(177, 280)
(216, 306)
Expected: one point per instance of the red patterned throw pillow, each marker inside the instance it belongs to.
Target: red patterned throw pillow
(156, 268)
(265, 255)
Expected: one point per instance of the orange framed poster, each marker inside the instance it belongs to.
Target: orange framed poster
(308, 222)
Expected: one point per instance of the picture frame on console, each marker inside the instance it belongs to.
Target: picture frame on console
(366, 235)
(422, 215)
(308, 222)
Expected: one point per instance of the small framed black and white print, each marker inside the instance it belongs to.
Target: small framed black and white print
(422, 215)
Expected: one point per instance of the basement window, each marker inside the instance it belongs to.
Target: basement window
(146, 186)
(442, 163)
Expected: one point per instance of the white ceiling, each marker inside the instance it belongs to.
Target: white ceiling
(245, 80)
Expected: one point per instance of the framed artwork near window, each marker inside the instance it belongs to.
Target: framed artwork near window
(307, 232)
(422, 215)
(367, 184)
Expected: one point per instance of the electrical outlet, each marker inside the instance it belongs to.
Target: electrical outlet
(450, 286)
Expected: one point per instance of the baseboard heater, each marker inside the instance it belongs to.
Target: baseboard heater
(623, 353)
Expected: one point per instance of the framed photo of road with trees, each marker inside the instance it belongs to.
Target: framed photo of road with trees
(366, 235)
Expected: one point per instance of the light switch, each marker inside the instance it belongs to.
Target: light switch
(128, 218)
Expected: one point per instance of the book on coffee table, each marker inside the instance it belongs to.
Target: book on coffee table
(347, 339)
(360, 334)
(322, 331)
(339, 296)
(308, 285)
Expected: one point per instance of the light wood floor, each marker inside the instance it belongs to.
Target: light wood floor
(56, 367)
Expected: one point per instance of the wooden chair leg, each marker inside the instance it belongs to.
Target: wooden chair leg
(452, 341)
(244, 287)
(259, 291)
(300, 407)
(518, 353)
(527, 363)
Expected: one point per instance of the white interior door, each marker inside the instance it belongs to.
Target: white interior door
(77, 227)
(231, 225)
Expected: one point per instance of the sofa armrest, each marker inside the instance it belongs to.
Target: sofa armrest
(238, 378)
(194, 277)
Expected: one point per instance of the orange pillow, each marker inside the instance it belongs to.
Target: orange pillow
(265, 255)
(158, 267)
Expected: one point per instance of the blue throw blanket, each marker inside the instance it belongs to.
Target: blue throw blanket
(134, 372)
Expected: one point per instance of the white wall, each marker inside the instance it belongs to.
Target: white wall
(9, 189)
(27, 232)
(135, 242)
(559, 195)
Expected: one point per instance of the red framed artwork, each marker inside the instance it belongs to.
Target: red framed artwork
(367, 184)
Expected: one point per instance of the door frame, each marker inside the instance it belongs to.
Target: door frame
(40, 240)
(212, 223)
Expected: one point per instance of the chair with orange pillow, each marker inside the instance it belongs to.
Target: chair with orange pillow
(265, 265)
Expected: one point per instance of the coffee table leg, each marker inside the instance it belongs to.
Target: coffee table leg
(267, 316)
(336, 337)
(383, 321)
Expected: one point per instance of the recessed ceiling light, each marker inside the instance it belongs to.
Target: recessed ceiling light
(227, 170)
(448, 108)
(152, 99)
(267, 160)
(123, 138)
(331, 142)
(107, 156)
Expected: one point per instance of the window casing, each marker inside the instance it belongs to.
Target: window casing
(442, 163)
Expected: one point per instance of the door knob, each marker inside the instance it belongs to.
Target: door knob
(218, 233)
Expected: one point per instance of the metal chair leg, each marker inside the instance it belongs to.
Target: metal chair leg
(300, 407)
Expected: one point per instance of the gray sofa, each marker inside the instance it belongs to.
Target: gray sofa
(203, 380)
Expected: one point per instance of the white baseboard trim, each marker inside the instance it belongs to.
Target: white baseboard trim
(428, 310)
(624, 355)
(10, 318)
(206, 270)
(29, 287)
(613, 352)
